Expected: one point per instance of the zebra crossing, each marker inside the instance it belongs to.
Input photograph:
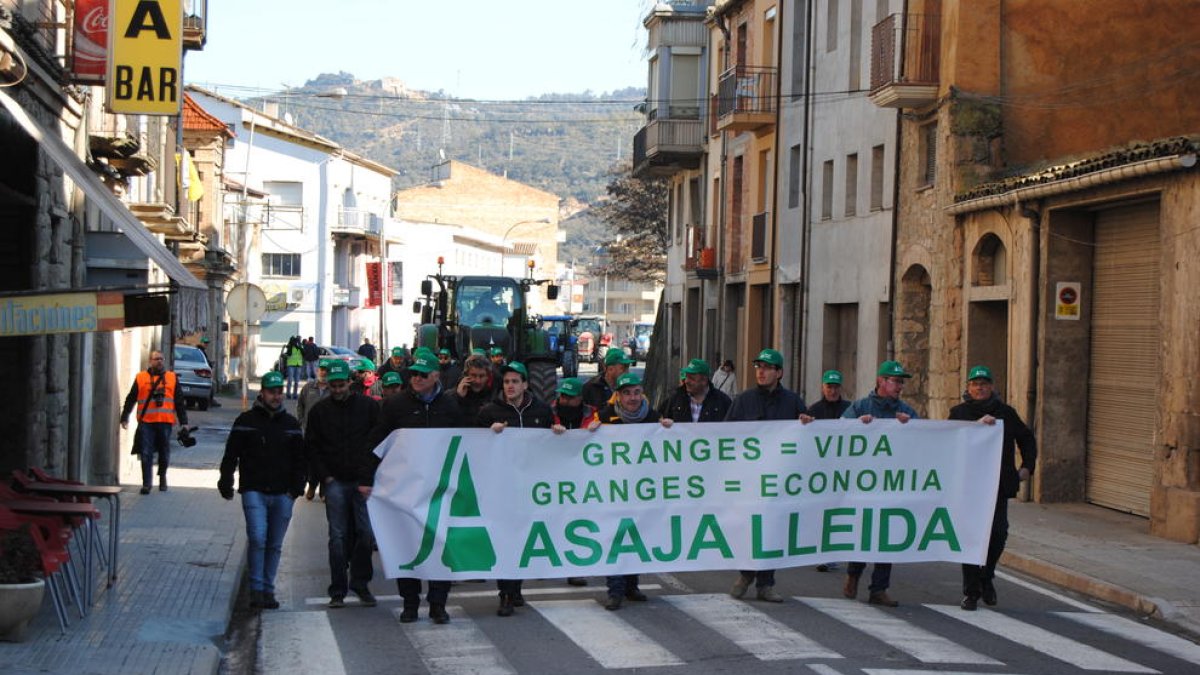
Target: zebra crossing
(658, 635)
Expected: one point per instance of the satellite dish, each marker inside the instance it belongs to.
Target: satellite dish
(246, 303)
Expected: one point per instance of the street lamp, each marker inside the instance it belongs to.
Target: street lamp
(504, 239)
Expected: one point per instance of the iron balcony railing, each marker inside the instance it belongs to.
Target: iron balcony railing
(747, 89)
(905, 50)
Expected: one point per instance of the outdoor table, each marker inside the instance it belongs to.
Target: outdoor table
(109, 493)
(66, 511)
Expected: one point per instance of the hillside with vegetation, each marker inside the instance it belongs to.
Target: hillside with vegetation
(562, 143)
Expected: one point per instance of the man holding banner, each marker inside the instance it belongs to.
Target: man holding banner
(980, 402)
(424, 404)
(514, 407)
(883, 403)
(767, 400)
(631, 407)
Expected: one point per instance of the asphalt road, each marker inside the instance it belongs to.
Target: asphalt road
(691, 625)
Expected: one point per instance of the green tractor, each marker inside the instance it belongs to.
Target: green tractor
(469, 312)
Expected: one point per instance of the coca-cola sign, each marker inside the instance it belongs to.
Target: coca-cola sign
(89, 46)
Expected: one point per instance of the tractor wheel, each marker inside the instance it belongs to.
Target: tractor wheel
(543, 379)
(570, 363)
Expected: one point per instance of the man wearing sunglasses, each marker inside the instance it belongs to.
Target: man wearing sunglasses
(424, 403)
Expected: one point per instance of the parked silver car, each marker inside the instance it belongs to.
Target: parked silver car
(195, 376)
(350, 356)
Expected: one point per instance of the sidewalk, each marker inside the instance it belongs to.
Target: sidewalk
(181, 558)
(1106, 555)
(183, 551)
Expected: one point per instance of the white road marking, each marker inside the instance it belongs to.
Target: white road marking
(893, 671)
(1042, 640)
(458, 647)
(1081, 606)
(490, 593)
(1155, 639)
(917, 642)
(760, 635)
(298, 642)
(823, 669)
(607, 638)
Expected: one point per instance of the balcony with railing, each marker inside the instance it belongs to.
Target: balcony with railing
(747, 98)
(195, 24)
(701, 260)
(356, 222)
(665, 146)
(905, 60)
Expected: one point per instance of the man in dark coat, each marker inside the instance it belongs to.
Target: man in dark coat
(335, 435)
(476, 388)
(696, 400)
(266, 449)
(767, 400)
(980, 402)
(514, 407)
(422, 404)
(598, 391)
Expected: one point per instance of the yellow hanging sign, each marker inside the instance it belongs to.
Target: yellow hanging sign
(145, 57)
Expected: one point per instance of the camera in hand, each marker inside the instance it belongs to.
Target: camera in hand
(184, 436)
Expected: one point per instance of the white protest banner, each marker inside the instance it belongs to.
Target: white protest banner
(627, 499)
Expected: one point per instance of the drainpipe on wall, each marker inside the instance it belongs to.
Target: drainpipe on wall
(776, 330)
(806, 198)
(1034, 215)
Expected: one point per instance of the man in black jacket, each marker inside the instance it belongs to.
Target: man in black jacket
(767, 400)
(477, 386)
(422, 404)
(832, 405)
(335, 436)
(980, 402)
(266, 449)
(598, 391)
(696, 400)
(514, 407)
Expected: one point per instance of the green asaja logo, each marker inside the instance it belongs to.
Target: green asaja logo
(468, 548)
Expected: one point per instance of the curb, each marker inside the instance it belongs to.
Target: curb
(1082, 583)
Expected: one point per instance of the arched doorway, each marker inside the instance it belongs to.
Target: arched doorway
(912, 333)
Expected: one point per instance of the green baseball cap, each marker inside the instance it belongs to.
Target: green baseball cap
(205, 340)
(365, 364)
(496, 351)
(697, 367)
(399, 351)
(516, 367)
(424, 361)
(980, 373)
(392, 379)
(770, 357)
(616, 357)
(445, 351)
(570, 386)
(831, 377)
(338, 370)
(629, 380)
(892, 369)
(272, 380)
(324, 363)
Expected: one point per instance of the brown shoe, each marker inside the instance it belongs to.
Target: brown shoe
(850, 588)
(883, 599)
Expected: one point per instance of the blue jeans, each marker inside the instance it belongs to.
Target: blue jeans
(351, 540)
(620, 584)
(881, 575)
(154, 437)
(293, 380)
(267, 518)
(310, 370)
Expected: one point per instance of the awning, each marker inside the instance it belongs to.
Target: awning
(110, 206)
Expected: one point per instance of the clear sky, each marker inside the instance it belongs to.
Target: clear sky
(482, 49)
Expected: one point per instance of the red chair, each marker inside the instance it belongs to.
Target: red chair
(52, 558)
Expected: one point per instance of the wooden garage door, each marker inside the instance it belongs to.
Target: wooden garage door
(1123, 378)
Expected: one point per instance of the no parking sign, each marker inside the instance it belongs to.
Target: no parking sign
(1066, 300)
